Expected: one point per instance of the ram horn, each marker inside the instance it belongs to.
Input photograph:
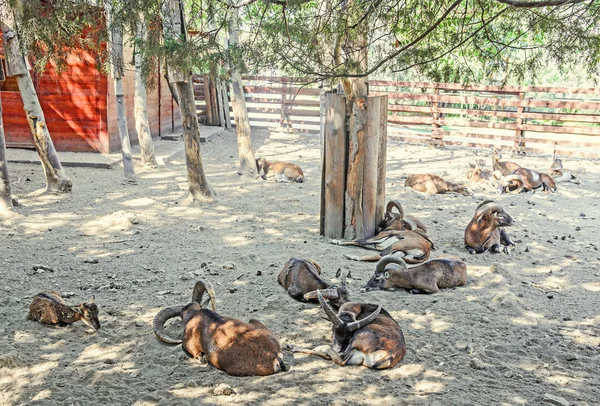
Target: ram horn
(158, 325)
(331, 314)
(395, 203)
(513, 178)
(363, 322)
(389, 259)
(199, 288)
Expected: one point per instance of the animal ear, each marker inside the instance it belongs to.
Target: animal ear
(92, 300)
(471, 165)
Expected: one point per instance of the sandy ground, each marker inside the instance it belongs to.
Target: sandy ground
(526, 325)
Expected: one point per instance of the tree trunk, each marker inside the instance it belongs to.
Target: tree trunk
(6, 202)
(117, 72)
(142, 125)
(199, 188)
(172, 87)
(174, 30)
(247, 163)
(56, 180)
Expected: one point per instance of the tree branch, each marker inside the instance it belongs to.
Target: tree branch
(535, 4)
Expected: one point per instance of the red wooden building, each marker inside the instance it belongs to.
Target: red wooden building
(79, 106)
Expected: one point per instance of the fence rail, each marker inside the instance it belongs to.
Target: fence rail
(541, 119)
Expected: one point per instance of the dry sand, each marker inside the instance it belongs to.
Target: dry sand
(526, 325)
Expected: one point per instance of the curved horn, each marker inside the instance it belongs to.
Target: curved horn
(158, 325)
(199, 288)
(333, 317)
(355, 325)
(412, 225)
(389, 259)
(482, 207)
(513, 178)
(327, 294)
(394, 203)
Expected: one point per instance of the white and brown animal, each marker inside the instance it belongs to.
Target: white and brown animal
(485, 232)
(49, 307)
(363, 334)
(504, 167)
(238, 348)
(395, 219)
(433, 184)
(560, 174)
(391, 272)
(480, 176)
(279, 171)
(302, 278)
(526, 180)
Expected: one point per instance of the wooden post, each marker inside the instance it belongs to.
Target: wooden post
(225, 97)
(208, 101)
(353, 182)
(220, 103)
(519, 139)
(437, 138)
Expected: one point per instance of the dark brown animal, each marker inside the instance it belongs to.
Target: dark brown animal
(526, 180)
(302, 278)
(485, 231)
(433, 184)
(396, 220)
(504, 167)
(560, 174)
(238, 348)
(391, 273)
(363, 334)
(49, 307)
(414, 245)
(279, 171)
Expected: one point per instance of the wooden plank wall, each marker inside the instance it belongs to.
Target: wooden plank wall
(540, 119)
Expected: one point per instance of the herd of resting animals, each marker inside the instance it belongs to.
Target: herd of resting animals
(363, 333)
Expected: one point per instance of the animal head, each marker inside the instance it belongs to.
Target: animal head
(261, 165)
(338, 295)
(384, 270)
(557, 164)
(89, 313)
(344, 323)
(391, 218)
(549, 184)
(490, 211)
(464, 190)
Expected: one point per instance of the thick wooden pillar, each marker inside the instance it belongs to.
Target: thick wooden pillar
(354, 155)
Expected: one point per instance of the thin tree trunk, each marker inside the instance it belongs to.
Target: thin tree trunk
(174, 30)
(247, 163)
(56, 180)
(6, 202)
(142, 125)
(172, 87)
(117, 72)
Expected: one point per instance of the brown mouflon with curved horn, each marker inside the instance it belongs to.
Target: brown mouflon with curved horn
(49, 307)
(397, 220)
(525, 180)
(363, 334)
(485, 232)
(238, 348)
(433, 184)
(301, 278)
(279, 171)
(391, 273)
(504, 167)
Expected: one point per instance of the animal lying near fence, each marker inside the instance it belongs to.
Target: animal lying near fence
(391, 272)
(433, 184)
(302, 278)
(480, 176)
(363, 334)
(238, 348)
(279, 171)
(396, 220)
(504, 167)
(560, 174)
(525, 180)
(485, 232)
(49, 307)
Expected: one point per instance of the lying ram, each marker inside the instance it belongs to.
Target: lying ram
(485, 232)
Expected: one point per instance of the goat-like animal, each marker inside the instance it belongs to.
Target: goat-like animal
(363, 334)
(485, 231)
(49, 307)
(302, 278)
(279, 171)
(414, 245)
(398, 221)
(238, 348)
(560, 174)
(525, 180)
(477, 174)
(433, 184)
(391, 272)
(504, 167)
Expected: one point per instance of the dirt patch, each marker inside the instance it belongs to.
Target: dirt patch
(526, 325)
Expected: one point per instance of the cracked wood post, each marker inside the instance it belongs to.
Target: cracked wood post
(56, 180)
(437, 133)
(142, 124)
(174, 30)
(519, 138)
(246, 160)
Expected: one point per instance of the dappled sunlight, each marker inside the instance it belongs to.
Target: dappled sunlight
(429, 321)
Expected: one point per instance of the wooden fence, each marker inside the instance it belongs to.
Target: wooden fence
(550, 120)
